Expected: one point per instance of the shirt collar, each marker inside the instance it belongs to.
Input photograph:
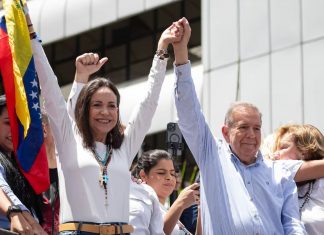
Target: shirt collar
(234, 157)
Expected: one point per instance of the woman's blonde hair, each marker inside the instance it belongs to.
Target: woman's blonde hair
(307, 138)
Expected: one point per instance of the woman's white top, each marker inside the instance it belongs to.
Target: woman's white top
(81, 197)
(312, 213)
(144, 210)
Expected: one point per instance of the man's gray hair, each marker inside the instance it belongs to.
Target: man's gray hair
(236, 106)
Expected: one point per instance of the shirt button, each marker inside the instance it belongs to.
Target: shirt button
(179, 73)
(248, 182)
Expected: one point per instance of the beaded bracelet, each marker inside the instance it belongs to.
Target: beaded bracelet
(162, 53)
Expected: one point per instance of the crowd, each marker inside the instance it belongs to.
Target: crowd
(90, 153)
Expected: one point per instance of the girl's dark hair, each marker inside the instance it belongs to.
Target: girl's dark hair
(81, 112)
(148, 160)
(3, 103)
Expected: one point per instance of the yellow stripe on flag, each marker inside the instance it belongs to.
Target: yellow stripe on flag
(21, 50)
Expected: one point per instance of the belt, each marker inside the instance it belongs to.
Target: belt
(104, 229)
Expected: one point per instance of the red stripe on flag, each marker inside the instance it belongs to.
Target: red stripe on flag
(6, 67)
(36, 176)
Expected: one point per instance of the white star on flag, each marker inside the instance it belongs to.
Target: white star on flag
(33, 95)
(34, 83)
(35, 106)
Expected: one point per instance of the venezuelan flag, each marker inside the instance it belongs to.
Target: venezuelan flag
(22, 92)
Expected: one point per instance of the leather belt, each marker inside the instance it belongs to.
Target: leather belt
(104, 229)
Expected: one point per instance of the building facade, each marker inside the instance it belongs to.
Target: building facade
(268, 52)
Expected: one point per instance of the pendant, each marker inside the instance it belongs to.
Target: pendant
(103, 178)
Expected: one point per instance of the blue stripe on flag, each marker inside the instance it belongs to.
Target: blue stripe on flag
(3, 24)
(30, 146)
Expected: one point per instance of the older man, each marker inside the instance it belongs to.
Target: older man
(241, 192)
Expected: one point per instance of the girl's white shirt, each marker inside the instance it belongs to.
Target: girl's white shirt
(144, 210)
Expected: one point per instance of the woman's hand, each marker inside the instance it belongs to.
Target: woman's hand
(171, 35)
(19, 224)
(28, 20)
(36, 228)
(86, 65)
(25, 224)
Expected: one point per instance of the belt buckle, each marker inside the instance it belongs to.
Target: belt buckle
(105, 229)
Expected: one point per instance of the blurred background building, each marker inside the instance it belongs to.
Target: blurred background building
(268, 52)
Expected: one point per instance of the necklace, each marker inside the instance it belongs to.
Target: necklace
(183, 228)
(306, 195)
(103, 171)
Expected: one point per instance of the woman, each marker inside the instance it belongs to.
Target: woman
(20, 207)
(156, 169)
(95, 152)
(304, 142)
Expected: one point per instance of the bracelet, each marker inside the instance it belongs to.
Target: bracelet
(162, 53)
(12, 209)
(32, 35)
(30, 25)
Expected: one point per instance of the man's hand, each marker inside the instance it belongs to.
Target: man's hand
(183, 22)
(86, 65)
(181, 47)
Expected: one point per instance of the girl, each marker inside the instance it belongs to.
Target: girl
(156, 169)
